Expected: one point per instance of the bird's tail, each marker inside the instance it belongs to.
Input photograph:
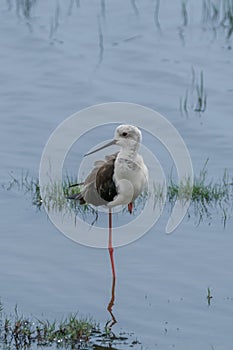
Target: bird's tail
(74, 185)
(77, 197)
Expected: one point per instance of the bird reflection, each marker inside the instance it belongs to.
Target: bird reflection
(110, 305)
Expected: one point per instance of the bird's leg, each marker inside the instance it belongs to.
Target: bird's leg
(110, 247)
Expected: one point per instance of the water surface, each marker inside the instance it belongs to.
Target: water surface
(63, 58)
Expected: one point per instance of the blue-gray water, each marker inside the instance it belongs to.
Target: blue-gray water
(62, 59)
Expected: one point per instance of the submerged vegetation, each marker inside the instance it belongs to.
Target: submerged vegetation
(209, 296)
(207, 197)
(195, 99)
(218, 15)
(215, 15)
(23, 7)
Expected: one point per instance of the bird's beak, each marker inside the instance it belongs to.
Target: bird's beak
(113, 142)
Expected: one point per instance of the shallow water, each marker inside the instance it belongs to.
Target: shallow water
(62, 59)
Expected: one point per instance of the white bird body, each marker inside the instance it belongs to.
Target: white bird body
(122, 177)
(130, 177)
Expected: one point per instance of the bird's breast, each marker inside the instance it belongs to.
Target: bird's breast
(131, 171)
(125, 168)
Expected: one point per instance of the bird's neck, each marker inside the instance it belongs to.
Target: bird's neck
(128, 152)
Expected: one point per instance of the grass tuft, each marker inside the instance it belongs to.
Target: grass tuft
(73, 332)
(207, 196)
(20, 332)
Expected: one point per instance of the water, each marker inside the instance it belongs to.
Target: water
(62, 59)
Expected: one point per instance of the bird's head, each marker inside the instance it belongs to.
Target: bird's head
(126, 136)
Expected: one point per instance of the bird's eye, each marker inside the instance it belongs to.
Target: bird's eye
(124, 134)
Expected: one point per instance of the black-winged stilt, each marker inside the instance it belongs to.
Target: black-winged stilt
(118, 180)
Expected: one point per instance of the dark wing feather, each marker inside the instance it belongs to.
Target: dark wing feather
(99, 187)
(105, 185)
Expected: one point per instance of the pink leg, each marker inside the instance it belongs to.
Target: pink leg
(130, 207)
(110, 248)
(111, 304)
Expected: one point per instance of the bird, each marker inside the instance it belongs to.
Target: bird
(117, 180)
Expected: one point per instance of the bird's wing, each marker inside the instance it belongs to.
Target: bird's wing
(94, 192)
(105, 185)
